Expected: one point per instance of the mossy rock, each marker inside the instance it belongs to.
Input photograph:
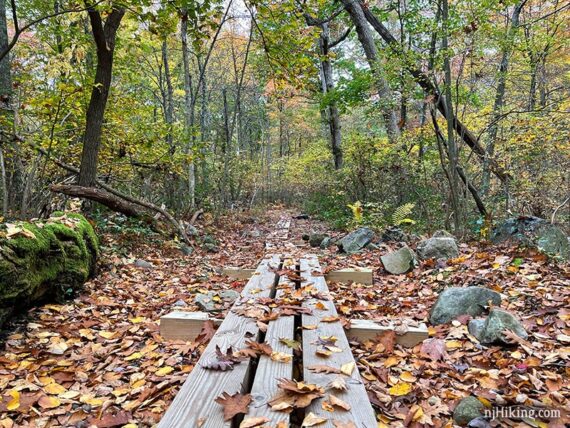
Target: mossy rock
(44, 259)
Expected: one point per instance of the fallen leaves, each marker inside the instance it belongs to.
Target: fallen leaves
(312, 420)
(400, 389)
(223, 361)
(435, 349)
(294, 395)
(234, 404)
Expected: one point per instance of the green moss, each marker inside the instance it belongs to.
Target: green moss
(56, 262)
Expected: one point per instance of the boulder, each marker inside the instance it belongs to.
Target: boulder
(469, 408)
(456, 301)
(437, 248)
(315, 239)
(355, 240)
(490, 331)
(140, 263)
(44, 259)
(443, 234)
(394, 234)
(399, 262)
(533, 231)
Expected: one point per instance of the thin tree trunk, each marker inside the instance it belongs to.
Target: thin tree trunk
(500, 94)
(105, 37)
(354, 9)
(5, 72)
(169, 98)
(331, 112)
(188, 107)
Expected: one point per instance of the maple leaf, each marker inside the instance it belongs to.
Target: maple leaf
(337, 402)
(387, 339)
(233, 404)
(260, 348)
(434, 349)
(208, 331)
(293, 344)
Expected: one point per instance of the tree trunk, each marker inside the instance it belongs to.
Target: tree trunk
(429, 88)
(105, 37)
(354, 9)
(331, 113)
(500, 94)
(5, 72)
(188, 107)
(169, 98)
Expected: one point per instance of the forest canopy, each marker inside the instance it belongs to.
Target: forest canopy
(458, 109)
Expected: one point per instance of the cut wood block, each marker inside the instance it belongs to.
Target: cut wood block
(179, 325)
(359, 275)
(238, 273)
(368, 329)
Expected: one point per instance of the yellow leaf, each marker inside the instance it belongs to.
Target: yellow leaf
(408, 377)
(92, 401)
(164, 371)
(134, 356)
(391, 361)
(453, 344)
(54, 388)
(48, 402)
(137, 320)
(401, 388)
(14, 403)
(107, 334)
(281, 357)
(347, 368)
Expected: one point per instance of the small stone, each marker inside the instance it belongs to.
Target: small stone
(191, 230)
(394, 234)
(229, 295)
(468, 409)
(437, 248)
(399, 262)
(327, 242)
(143, 264)
(455, 301)
(179, 303)
(475, 327)
(315, 239)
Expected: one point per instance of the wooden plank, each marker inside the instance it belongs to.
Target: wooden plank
(361, 412)
(368, 329)
(268, 371)
(194, 405)
(358, 275)
(180, 325)
(238, 273)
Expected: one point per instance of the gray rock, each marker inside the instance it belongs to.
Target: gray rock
(456, 301)
(399, 262)
(187, 250)
(191, 230)
(255, 233)
(372, 246)
(205, 301)
(315, 239)
(475, 327)
(355, 240)
(498, 321)
(143, 264)
(327, 242)
(469, 408)
(179, 303)
(443, 234)
(533, 231)
(209, 239)
(394, 234)
(437, 248)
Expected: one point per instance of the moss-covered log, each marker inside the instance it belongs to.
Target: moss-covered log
(44, 259)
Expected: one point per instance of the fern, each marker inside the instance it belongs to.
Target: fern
(401, 214)
(357, 212)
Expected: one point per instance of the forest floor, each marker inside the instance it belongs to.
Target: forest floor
(98, 360)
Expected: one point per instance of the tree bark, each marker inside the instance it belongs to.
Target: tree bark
(104, 35)
(355, 10)
(169, 98)
(327, 85)
(429, 88)
(500, 94)
(5, 72)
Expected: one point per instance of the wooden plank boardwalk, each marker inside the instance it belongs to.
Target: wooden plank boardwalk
(296, 290)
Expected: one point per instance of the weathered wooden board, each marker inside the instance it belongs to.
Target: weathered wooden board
(358, 275)
(268, 371)
(368, 329)
(361, 412)
(194, 405)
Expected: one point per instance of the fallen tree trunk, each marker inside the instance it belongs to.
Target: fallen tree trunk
(101, 196)
(44, 259)
(429, 88)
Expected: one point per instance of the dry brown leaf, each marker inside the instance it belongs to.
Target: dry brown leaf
(233, 404)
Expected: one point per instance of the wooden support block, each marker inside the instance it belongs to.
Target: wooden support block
(358, 275)
(238, 273)
(368, 329)
(179, 325)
